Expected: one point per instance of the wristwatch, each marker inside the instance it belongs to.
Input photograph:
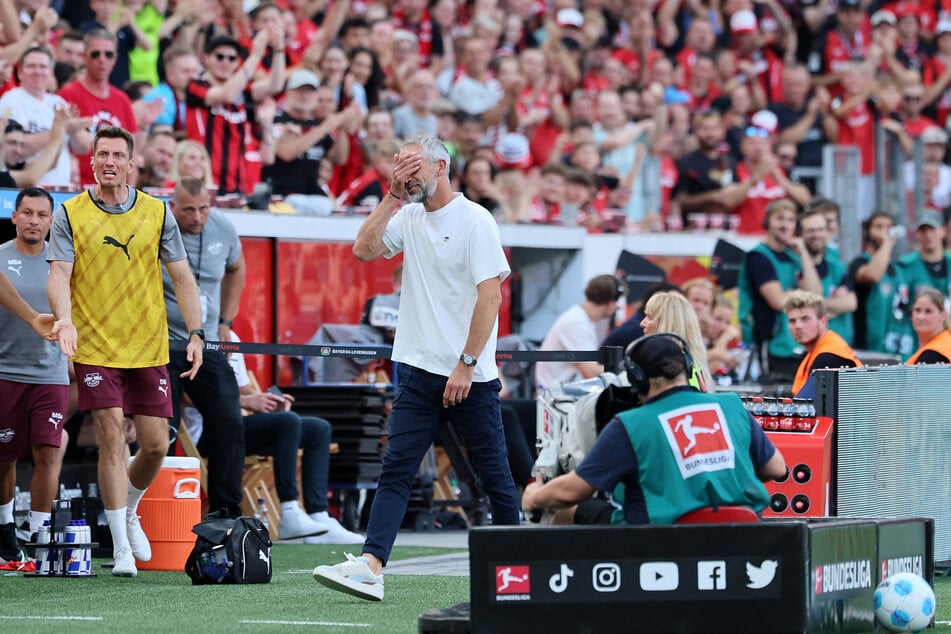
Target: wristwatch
(197, 331)
(226, 322)
(468, 360)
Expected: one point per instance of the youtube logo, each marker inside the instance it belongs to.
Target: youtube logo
(659, 576)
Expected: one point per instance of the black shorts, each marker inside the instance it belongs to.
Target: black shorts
(594, 511)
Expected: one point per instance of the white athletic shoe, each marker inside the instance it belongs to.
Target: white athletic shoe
(353, 577)
(124, 563)
(334, 532)
(141, 548)
(296, 523)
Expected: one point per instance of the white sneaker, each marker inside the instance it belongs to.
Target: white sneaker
(334, 533)
(296, 523)
(353, 577)
(124, 563)
(141, 548)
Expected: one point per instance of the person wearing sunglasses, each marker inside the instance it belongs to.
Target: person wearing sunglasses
(218, 104)
(93, 96)
(107, 16)
(767, 180)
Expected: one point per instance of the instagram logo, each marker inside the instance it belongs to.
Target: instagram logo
(606, 577)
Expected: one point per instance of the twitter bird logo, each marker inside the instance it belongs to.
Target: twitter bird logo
(762, 575)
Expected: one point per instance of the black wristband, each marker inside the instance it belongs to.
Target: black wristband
(226, 322)
(197, 331)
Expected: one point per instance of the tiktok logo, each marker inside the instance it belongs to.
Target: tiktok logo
(559, 581)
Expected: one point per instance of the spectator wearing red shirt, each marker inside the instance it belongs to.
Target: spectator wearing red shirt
(911, 51)
(760, 62)
(541, 106)
(93, 95)
(702, 87)
(413, 16)
(847, 42)
(936, 73)
(700, 39)
(639, 52)
(768, 181)
(853, 123)
(217, 104)
(545, 205)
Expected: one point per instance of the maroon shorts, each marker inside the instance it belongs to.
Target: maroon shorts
(142, 391)
(30, 415)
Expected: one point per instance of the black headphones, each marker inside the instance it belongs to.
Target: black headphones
(635, 373)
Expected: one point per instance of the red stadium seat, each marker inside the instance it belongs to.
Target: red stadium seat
(719, 515)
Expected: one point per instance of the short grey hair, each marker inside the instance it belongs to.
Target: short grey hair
(432, 149)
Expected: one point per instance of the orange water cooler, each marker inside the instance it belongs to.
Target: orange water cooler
(168, 510)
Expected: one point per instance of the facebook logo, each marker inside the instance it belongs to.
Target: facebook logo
(711, 575)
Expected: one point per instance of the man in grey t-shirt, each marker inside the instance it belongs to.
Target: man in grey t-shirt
(34, 377)
(214, 256)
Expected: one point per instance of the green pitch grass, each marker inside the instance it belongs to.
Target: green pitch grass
(167, 602)
(293, 601)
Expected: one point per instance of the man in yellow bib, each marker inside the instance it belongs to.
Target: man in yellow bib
(107, 247)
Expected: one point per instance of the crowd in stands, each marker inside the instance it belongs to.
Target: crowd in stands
(614, 115)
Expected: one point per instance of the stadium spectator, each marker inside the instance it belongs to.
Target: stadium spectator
(765, 181)
(69, 50)
(910, 122)
(219, 271)
(707, 176)
(476, 92)
(305, 131)
(364, 69)
(34, 376)
(94, 97)
(416, 116)
(853, 123)
(87, 272)
(34, 108)
(842, 46)
(17, 168)
(929, 317)
(414, 16)
(837, 291)
(543, 113)
(181, 68)
(370, 188)
(478, 185)
(723, 337)
(580, 327)
(549, 192)
(378, 125)
(769, 272)
(701, 293)
(880, 319)
(129, 36)
(802, 117)
(217, 103)
(935, 144)
(936, 74)
(636, 449)
(191, 161)
(155, 164)
(809, 326)
(911, 50)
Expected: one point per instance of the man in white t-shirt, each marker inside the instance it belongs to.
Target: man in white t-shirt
(453, 267)
(577, 329)
(34, 108)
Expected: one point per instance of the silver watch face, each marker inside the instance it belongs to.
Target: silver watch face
(468, 359)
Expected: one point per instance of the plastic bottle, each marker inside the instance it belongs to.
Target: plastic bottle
(787, 416)
(260, 512)
(771, 414)
(43, 554)
(757, 409)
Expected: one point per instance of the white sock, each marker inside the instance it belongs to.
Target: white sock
(6, 512)
(135, 495)
(36, 519)
(116, 520)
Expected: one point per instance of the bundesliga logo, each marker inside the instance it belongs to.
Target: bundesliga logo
(512, 583)
(93, 379)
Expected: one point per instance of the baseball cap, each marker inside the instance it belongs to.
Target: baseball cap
(222, 40)
(744, 22)
(570, 17)
(934, 134)
(766, 120)
(512, 151)
(883, 16)
(929, 218)
(302, 77)
(907, 10)
(944, 26)
(651, 351)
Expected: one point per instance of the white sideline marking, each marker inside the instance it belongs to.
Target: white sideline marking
(328, 623)
(51, 618)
